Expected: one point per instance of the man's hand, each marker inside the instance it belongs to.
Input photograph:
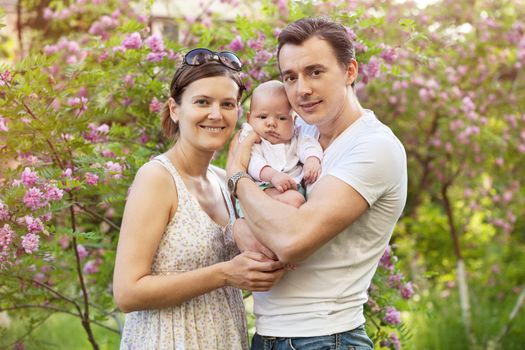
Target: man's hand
(239, 153)
(246, 241)
(311, 169)
(283, 182)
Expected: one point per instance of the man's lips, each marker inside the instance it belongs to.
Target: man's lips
(308, 106)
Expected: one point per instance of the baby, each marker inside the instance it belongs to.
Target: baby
(284, 157)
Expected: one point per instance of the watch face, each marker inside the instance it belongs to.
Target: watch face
(231, 184)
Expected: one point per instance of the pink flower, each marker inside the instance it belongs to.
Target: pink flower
(351, 34)
(54, 194)
(132, 41)
(392, 316)
(3, 124)
(258, 44)
(34, 198)
(113, 169)
(499, 161)
(156, 56)
(262, 57)
(236, 44)
(388, 55)
(155, 43)
(30, 243)
(48, 13)
(372, 68)
(91, 179)
(82, 251)
(155, 106)
(67, 173)
(6, 236)
(50, 49)
(129, 80)
(407, 291)
(4, 212)
(394, 280)
(33, 225)
(28, 177)
(91, 267)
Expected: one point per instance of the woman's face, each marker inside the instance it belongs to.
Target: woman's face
(207, 114)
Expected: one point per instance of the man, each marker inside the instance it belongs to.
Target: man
(338, 236)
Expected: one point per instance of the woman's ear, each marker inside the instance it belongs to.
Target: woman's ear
(351, 72)
(173, 108)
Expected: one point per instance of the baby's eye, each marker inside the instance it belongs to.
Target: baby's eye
(261, 116)
(283, 118)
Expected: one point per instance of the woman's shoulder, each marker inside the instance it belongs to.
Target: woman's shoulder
(153, 175)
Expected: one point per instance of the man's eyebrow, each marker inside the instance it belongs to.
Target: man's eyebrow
(286, 72)
(307, 69)
(314, 67)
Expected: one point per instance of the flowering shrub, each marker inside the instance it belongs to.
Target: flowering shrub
(79, 115)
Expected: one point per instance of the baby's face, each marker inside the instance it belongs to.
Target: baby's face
(270, 117)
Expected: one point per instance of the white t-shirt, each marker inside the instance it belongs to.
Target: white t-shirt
(283, 157)
(326, 293)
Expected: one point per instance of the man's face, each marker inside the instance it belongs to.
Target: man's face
(314, 80)
(270, 116)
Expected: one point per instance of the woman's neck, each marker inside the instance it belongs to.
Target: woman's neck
(189, 161)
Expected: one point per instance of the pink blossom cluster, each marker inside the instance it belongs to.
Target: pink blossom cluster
(104, 25)
(262, 57)
(70, 50)
(4, 212)
(91, 179)
(236, 44)
(392, 342)
(388, 260)
(92, 266)
(6, 237)
(392, 315)
(5, 77)
(155, 106)
(96, 134)
(79, 103)
(30, 243)
(3, 124)
(113, 170)
(38, 192)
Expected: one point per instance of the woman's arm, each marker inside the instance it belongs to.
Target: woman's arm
(151, 203)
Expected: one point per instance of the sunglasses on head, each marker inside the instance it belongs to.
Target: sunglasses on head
(199, 56)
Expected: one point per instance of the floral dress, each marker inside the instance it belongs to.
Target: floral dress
(215, 320)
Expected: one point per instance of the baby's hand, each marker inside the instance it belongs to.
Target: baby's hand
(283, 182)
(312, 169)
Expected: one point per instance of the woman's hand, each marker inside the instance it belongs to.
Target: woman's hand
(246, 241)
(239, 152)
(252, 271)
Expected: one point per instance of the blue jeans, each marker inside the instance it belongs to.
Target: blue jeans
(356, 339)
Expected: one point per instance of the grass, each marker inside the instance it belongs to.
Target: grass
(436, 323)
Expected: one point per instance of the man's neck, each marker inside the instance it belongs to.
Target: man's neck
(334, 127)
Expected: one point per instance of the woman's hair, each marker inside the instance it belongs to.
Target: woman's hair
(184, 76)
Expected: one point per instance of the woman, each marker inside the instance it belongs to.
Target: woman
(177, 272)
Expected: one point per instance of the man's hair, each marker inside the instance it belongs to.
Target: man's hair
(334, 33)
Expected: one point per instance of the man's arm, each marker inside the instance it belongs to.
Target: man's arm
(294, 234)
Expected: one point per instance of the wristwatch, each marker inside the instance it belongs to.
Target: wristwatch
(234, 179)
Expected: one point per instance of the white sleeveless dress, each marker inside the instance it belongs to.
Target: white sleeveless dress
(215, 320)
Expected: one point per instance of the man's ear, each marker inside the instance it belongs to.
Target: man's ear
(174, 110)
(351, 72)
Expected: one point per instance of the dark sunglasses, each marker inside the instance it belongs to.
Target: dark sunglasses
(199, 56)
